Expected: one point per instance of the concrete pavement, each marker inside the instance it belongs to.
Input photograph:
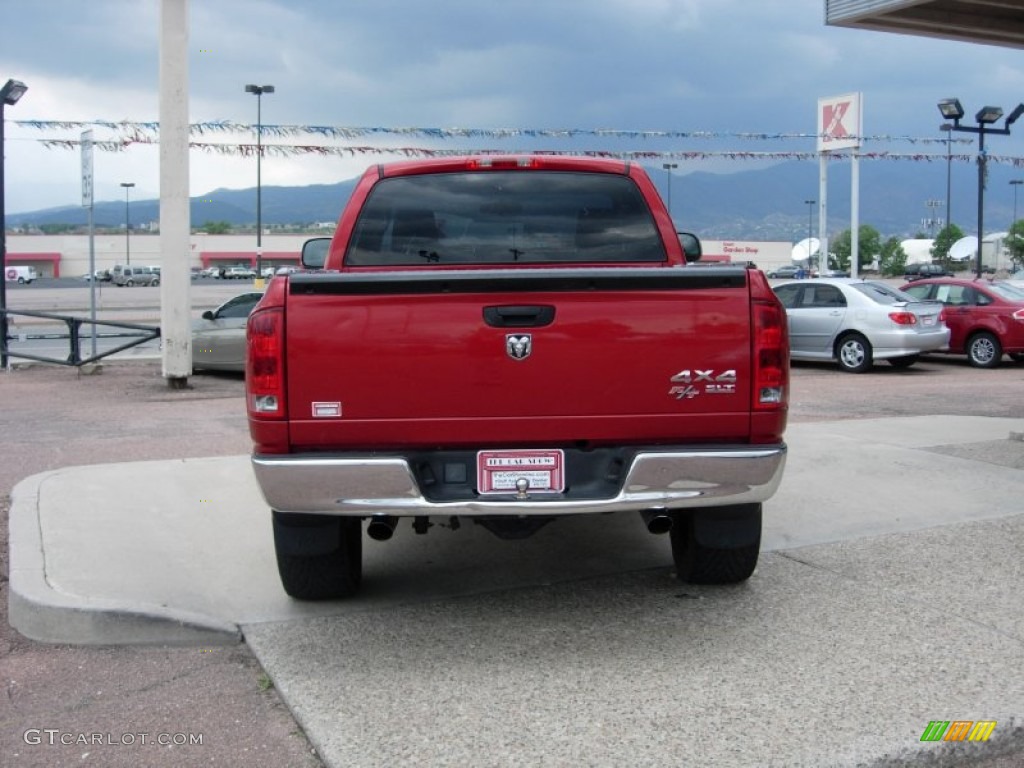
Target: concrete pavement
(888, 595)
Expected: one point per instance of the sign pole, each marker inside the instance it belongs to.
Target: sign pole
(87, 202)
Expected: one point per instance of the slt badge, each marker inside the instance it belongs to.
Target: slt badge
(686, 383)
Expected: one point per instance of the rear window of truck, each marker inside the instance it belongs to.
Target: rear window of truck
(504, 217)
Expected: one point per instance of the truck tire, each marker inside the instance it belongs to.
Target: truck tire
(854, 353)
(984, 350)
(719, 545)
(318, 557)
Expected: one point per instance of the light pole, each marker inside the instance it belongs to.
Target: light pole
(810, 228)
(259, 90)
(668, 172)
(948, 128)
(9, 95)
(127, 223)
(951, 109)
(931, 205)
(1015, 183)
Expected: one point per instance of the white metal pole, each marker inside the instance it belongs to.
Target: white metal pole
(822, 210)
(854, 213)
(175, 314)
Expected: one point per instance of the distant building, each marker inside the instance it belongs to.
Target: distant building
(767, 254)
(68, 255)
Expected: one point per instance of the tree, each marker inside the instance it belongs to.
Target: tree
(893, 259)
(1015, 243)
(216, 227)
(868, 246)
(943, 242)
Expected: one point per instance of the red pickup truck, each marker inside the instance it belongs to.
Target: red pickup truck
(511, 340)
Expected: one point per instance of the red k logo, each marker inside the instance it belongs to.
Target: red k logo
(832, 120)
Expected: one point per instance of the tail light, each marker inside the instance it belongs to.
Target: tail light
(264, 357)
(770, 355)
(903, 318)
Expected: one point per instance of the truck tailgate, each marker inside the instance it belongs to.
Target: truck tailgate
(518, 357)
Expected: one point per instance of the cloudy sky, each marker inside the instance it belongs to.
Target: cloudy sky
(719, 68)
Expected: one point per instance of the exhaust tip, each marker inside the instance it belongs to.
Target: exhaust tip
(658, 521)
(381, 527)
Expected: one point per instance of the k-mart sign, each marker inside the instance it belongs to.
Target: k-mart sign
(839, 122)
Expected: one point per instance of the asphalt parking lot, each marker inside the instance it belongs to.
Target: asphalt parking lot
(447, 670)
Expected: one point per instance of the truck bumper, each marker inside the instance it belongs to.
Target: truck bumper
(666, 479)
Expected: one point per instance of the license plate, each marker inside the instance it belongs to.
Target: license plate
(502, 471)
(928, 319)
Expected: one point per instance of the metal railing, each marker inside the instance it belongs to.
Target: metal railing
(75, 337)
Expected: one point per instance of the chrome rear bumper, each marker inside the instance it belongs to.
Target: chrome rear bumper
(669, 479)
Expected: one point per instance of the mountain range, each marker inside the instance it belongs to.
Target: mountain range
(763, 204)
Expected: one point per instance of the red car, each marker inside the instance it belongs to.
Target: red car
(985, 317)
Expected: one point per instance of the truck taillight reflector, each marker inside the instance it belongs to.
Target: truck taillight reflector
(771, 356)
(264, 364)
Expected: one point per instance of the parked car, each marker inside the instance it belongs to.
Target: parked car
(286, 270)
(99, 275)
(787, 271)
(985, 317)
(218, 336)
(921, 271)
(833, 273)
(123, 275)
(239, 273)
(857, 322)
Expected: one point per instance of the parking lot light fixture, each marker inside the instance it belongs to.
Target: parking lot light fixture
(9, 95)
(259, 90)
(951, 109)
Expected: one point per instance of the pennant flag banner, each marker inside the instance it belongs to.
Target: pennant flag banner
(295, 150)
(133, 129)
(127, 134)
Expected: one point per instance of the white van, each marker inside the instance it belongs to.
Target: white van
(20, 274)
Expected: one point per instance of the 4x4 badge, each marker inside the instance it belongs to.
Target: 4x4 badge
(518, 347)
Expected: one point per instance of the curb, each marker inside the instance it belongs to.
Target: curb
(41, 613)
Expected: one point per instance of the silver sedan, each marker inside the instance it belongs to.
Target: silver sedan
(218, 337)
(856, 322)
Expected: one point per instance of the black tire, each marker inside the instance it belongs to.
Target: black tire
(21, 281)
(719, 545)
(854, 353)
(318, 557)
(984, 350)
(903, 362)
(129, 283)
(155, 283)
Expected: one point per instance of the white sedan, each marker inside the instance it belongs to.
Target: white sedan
(856, 322)
(218, 337)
